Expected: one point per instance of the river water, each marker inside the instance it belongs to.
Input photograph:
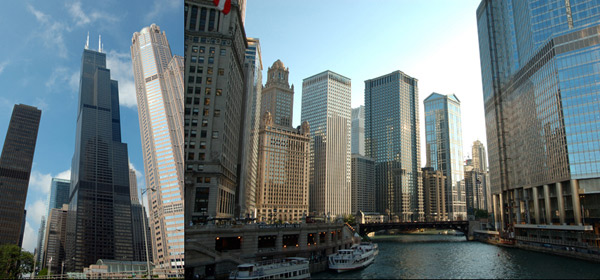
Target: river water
(444, 256)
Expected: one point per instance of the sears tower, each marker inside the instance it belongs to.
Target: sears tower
(99, 217)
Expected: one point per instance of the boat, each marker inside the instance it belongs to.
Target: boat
(358, 256)
(289, 268)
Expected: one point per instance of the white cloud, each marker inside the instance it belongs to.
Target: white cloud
(121, 70)
(64, 175)
(40, 182)
(29, 238)
(3, 66)
(52, 33)
(81, 18)
(162, 6)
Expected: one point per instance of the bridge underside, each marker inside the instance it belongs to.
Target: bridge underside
(462, 226)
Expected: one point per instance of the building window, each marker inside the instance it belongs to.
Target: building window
(215, 134)
(198, 90)
(194, 58)
(217, 113)
(219, 92)
(204, 123)
(194, 122)
(201, 49)
(223, 51)
(200, 59)
(206, 101)
(208, 80)
(202, 144)
(203, 133)
(194, 49)
(221, 71)
(211, 60)
(201, 156)
(212, 50)
(207, 91)
(209, 71)
(190, 156)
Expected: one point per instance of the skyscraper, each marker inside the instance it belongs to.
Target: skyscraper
(443, 130)
(479, 157)
(159, 90)
(480, 165)
(539, 64)
(248, 147)
(392, 140)
(55, 238)
(358, 130)
(59, 195)
(277, 95)
(434, 185)
(99, 215)
(215, 47)
(326, 107)
(139, 223)
(15, 168)
(363, 189)
(283, 171)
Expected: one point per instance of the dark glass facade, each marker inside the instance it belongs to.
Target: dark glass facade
(59, 194)
(15, 168)
(99, 217)
(540, 65)
(392, 141)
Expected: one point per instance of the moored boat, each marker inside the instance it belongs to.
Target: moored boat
(358, 256)
(288, 268)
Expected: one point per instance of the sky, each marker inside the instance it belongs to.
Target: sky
(40, 60)
(434, 41)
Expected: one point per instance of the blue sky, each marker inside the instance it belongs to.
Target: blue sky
(40, 58)
(434, 41)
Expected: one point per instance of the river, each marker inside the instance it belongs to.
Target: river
(444, 256)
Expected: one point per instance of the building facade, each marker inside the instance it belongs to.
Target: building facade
(59, 195)
(326, 107)
(159, 90)
(142, 243)
(474, 189)
(215, 46)
(539, 73)
(443, 130)
(248, 147)
(15, 168)
(434, 186)
(392, 140)
(363, 189)
(358, 130)
(283, 172)
(56, 234)
(277, 95)
(99, 216)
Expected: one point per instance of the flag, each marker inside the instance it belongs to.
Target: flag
(223, 5)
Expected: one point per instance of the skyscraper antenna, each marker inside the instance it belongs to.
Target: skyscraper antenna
(99, 43)
(87, 42)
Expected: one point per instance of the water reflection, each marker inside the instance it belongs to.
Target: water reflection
(441, 256)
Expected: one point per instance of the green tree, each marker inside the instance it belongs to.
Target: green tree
(350, 219)
(481, 214)
(14, 262)
(43, 272)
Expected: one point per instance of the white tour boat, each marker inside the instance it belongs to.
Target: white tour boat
(358, 256)
(288, 268)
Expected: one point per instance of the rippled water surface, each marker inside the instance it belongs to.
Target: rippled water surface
(442, 256)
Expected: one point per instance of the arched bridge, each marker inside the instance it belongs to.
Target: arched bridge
(462, 226)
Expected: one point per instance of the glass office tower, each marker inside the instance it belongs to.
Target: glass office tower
(443, 130)
(99, 215)
(159, 91)
(392, 140)
(539, 63)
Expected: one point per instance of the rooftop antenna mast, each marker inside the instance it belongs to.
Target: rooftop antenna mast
(87, 42)
(99, 43)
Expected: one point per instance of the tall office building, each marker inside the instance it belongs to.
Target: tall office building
(159, 90)
(479, 156)
(358, 130)
(248, 147)
(474, 189)
(215, 46)
(39, 251)
(363, 189)
(392, 140)
(326, 107)
(99, 215)
(277, 95)
(142, 241)
(283, 172)
(55, 239)
(434, 185)
(59, 195)
(443, 130)
(539, 64)
(15, 168)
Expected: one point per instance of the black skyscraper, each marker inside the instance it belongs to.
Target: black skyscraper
(99, 217)
(15, 167)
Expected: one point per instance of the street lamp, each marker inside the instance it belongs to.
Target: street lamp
(145, 229)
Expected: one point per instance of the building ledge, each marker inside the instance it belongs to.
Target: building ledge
(555, 227)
